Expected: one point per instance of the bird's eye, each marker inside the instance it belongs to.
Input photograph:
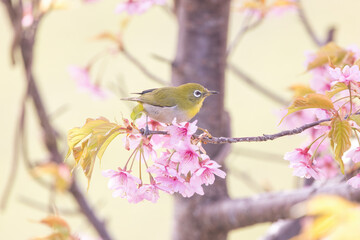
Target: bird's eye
(197, 93)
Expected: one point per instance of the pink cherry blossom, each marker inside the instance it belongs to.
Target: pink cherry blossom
(306, 170)
(133, 7)
(321, 80)
(303, 164)
(191, 188)
(83, 80)
(178, 168)
(346, 75)
(181, 131)
(329, 168)
(279, 8)
(298, 155)
(354, 181)
(354, 154)
(170, 184)
(354, 49)
(28, 17)
(150, 192)
(152, 124)
(187, 156)
(122, 182)
(90, 1)
(163, 166)
(297, 119)
(209, 168)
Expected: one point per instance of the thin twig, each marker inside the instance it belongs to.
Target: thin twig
(256, 85)
(307, 24)
(248, 180)
(15, 160)
(42, 206)
(260, 155)
(142, 68)
(26, 45)
(246, 26)
(265, 137)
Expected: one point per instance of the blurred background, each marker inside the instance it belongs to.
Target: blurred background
(273, 54)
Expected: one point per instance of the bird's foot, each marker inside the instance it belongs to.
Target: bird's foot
(145, 131)
(205, 132)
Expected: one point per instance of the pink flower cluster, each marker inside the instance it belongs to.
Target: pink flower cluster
(303, 163)
(82, 78)
(178, 164)
(319, 164)
(133, 7)
(346, 75)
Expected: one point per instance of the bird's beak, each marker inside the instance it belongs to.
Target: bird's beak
(208, 93)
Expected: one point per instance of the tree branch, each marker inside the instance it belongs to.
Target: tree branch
(26, 44)
(230, 214)
(263, 138)
(15, 160)
(246, 26)
(142, 68)
(256, 85)
(51, 145)
(310, 30)
(42, 207)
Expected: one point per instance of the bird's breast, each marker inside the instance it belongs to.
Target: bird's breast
(167, 114)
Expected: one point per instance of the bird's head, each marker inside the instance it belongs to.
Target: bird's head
(192, 94)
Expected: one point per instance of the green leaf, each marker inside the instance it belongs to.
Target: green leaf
(137, 112)
(339, 87)
(301, 90)
(76, 135)
(330, 52)
(313, 100)
(95, 136)
(339, 135)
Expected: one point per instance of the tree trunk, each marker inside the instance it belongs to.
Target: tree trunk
(201, 58)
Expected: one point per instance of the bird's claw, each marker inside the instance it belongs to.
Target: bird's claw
(145, 131)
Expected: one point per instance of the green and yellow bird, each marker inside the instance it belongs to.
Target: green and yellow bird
(165, 104)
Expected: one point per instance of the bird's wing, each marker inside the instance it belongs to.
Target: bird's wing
(159, 97)
(146, 91)
(138, 99)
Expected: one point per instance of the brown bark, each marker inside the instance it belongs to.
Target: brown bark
(201, 58)
(231, 214)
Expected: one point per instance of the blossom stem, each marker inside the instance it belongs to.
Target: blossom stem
(350, 98)
(129, 158)
(246, 25)
(94, 59)
(357, 136)
(171, 156)
(315, 141)
(147, 167)
(101, 72)
(141, 151)
(344, 105)
(337, 100)
(133, 160)
(313, 156)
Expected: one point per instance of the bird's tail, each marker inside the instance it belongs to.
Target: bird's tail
(130, 99)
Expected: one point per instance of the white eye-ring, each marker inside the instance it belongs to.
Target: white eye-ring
(197, 93)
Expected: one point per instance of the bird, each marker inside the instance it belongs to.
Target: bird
(168, 103)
